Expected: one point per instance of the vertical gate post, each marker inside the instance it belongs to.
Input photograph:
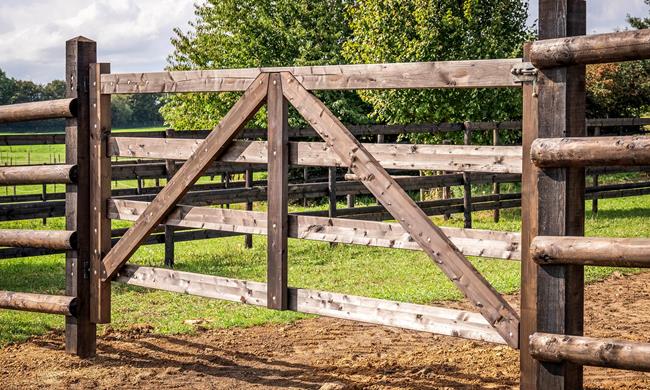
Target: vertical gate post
(594, 195)
(467, 184)
(496, 187)
(100, 192)
(170, 170)
(248, 177)
(80, 331)
(278, 173)
(552, 297)
(331, 187)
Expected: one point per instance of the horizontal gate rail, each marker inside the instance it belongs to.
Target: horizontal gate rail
(589, 351)
(423, 318)
(485, 243)
(41, 303)
(591, 49)
(492, 159)
(46, 239)
(447, 74)
(609, 252)
(593, 151)
(38, 174)
(50, 109)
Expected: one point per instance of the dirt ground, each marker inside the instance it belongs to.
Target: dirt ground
(319, 353)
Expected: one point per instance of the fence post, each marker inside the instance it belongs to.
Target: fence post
(80, 331)
(100, 192)
(248, 177)
(496, 186)
(278, 173)
(594, 198)
(170, 170)
(351, 198)
(446, 191)
(552, 297)
(467, 184)
(44, 198)
(305, 179)
(331, 187)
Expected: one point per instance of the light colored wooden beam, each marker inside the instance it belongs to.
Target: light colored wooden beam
(423, 318)
(592, 151)
(600, 251)
(38, 174)
(50, 109)
(448, 74)
(457, 158)
(48, 239)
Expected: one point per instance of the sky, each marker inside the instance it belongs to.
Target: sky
(133, 35)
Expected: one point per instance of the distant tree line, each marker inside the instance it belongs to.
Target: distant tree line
(128, 110)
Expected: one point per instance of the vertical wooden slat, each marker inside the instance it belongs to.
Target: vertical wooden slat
(446, 191)
(350, 198)
(467, 185)
(331, 187)
(496, 187)
(100, 192)
(248, 177)
(80, 331)
(170, 170)
(556, 202)
(278, 172)
(594, 199)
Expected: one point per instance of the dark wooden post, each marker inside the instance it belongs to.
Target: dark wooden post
(170, 170)
(331, 187)
(80, 331)
(305, 179)
(351, 198)
(248, 177)
(44, 198)
(278, 166)
(467, 185)
(100, 192)
(552, 203)
(446, 191)
(594, 198)
(496, 187)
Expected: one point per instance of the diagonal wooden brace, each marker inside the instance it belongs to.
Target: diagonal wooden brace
(215, 144)
(432, 240)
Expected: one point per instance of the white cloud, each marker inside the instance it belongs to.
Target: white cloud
(131, 34)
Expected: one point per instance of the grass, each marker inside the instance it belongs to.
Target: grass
(376, 272)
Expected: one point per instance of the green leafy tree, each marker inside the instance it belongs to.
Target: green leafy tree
(253, 33)
(638, 22)
(438, 30)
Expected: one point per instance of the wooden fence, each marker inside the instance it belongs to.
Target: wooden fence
(551, 164)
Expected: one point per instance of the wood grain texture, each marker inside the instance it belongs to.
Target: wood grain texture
(46, 239)
(370, 310)
(582, 152)
(453, 158)
(591, 49)
(100, 192)
(38, 174)
(599, 251)
(589, 351)
(40, 303)
(448, 74)
(433, 241)
(188, 174)
(49, 109)
(277, 195)
(472, 242)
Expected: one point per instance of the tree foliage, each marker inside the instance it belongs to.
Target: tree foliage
(254, 33)
(438, 30)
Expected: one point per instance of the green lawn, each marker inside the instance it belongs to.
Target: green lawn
(383, 273)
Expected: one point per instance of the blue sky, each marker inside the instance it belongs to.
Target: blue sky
(133, 35)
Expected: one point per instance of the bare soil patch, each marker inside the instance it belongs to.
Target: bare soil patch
(319, 353)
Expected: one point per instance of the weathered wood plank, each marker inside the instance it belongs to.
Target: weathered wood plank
(100, 192)
(375, 311)
(468, 158)
(597, 151)
(277, 195)
(591, 49)
(448, 74)
(432, 240)
(589, 351)
(41, 303)
(49, 109)
(600, 251)
(188, 174)
(46, 239)
(473, 242)
(38, 174)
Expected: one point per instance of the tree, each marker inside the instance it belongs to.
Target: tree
(254, 33)
(438, 30)
(620, 89)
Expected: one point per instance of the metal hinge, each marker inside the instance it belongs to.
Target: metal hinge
(525, 72)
